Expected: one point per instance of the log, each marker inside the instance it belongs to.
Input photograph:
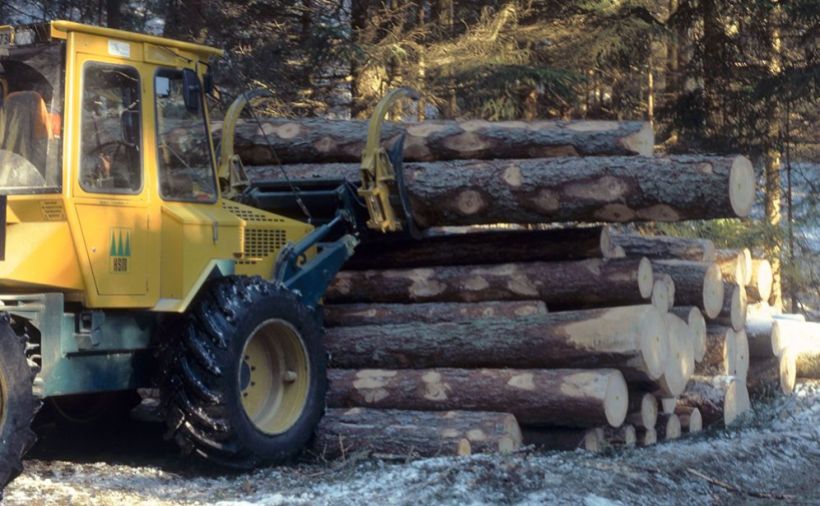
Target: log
(617, 437)
(807, 362)
(760, 284)
(668, 405)
(484, 247)
(646, 437)
(663, 293)
(793, 334)
(556, 190)
(690, 419)
(773, 374)
(563, 439)
(697, 324)
(343, 432)
(719, 398)
(632, 339)
(720, 356)
(696, 284)
(545, 397)
(643, 410)
(350, 315)
(661, 247)
(741, 350)
(735, 306)
(759, 335)
(561, 285)
(325, 140)
(735, 265)
(680, 361)
(668, 427)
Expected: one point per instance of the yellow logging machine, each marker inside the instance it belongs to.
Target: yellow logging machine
(131, 257)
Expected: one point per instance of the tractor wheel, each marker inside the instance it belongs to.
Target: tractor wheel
(17, 402)
(247, 375)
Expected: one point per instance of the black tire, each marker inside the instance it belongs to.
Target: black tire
(17, 402)
(201, 394)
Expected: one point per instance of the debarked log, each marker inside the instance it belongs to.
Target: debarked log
(351, 315)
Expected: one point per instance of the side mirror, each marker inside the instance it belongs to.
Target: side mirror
(130, 125)
(192, 90)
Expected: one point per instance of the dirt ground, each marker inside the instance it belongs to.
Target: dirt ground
(773, 456)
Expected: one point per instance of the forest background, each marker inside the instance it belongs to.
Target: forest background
(718, 76)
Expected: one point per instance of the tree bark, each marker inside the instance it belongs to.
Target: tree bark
(646, 437)
(486, 247)
(807, 360)
(563, 439)
(572, 284)
(668, 427)
(664, 247)
(632, 339)
(760, 285)
(344, 432)
(551, 190)
(690, 419)
(771, 375)
(719, 398)
(342, 141)
(696, 284)
(557, 397)
(617, 437)
(351, 315)
(759, 334)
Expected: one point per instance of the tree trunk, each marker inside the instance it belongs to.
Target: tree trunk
(690, 419)
(697, 324)
(350, 315)
(668, 427)
(771, 375)
(575, 284)
(663, 293)
(342, 141)
(696, 284)
(719, 398)
(550, 190)
(643, 410)
(563, 439)
(664, 247)
(735, 265)
(486, 247)
(760, 285)
(719, 359)
(113, 11)
(344, 432)
(793, 334)
(558, 397)
(633, 339)
(359, 16)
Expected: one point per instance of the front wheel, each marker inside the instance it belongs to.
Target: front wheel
(247, 375)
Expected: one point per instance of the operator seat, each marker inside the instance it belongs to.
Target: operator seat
(25, 127)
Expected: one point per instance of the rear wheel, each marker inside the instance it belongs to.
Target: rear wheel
(17, 402)
(247, 375)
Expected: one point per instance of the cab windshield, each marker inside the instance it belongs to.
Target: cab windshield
(31, 111)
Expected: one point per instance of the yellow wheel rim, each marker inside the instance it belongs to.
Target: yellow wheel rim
(274, 376)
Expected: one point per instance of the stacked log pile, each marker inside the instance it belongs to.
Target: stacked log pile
(560, 337)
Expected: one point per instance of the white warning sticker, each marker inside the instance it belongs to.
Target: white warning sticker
(119, 48)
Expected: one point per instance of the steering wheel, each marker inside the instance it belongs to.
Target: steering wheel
(118, 171)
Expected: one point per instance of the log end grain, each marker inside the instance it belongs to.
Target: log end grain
(616, 402)
(653, 336)
(738, 307)
(692, 422)
(713, 291)
(649, 410)
(680, 363)
(760, 287)
(647, 437)
(645, 278)
(742, 186)
(663, 293)
(641, 142)
(697, 324)
(741, 355)
(669, 427)
(787, 370)
(747, 267)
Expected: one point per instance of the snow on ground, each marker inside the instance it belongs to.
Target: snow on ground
(773, 456)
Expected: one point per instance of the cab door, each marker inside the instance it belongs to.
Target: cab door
(110, 193)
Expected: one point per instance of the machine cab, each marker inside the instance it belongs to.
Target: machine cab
(108, 165)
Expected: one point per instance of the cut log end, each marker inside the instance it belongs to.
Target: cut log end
(649, 410)
(738, 307)
(787, 369)
(733, 405)
(741, 355)
(742, 186)
(616, 402)
(760, 287)
(680, 363)
(653, 335)
(647, 437)
(641, 142)
(663, 293)
(697, 324)
(669, 426)
(692, 422)
(645, 278)
(713, 291)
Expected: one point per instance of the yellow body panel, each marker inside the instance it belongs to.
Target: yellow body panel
(131, 251)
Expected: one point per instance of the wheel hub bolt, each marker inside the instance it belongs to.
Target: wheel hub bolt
(289, 376)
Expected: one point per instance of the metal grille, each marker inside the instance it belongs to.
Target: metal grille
(249, 213)
(261, 242)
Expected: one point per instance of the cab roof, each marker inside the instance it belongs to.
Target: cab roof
(60, 29)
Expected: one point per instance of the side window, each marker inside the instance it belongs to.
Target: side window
(111, 155)
(186, 169)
